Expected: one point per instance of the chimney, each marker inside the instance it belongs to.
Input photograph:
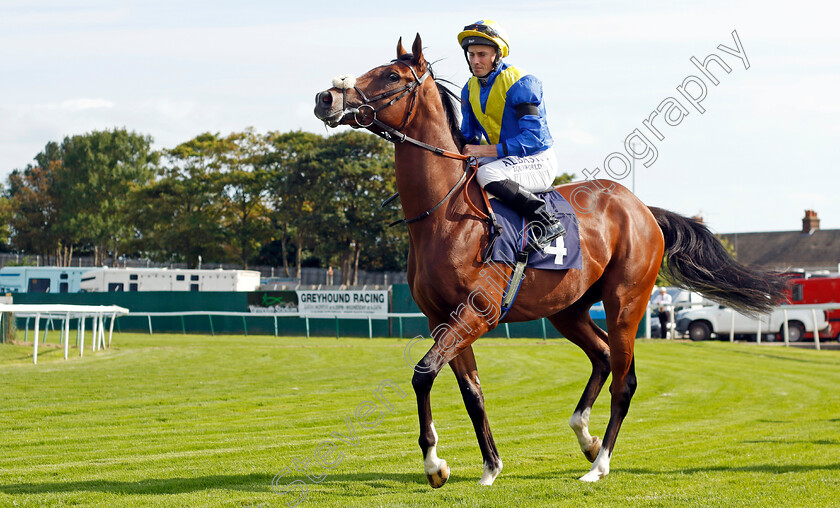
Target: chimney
(810, 222)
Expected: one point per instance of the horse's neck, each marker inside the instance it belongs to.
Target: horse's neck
(424, 177)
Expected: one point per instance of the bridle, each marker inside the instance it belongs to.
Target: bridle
(394, 135)
(365, 108)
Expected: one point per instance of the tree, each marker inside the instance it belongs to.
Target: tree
(179, 215)
(6, 215)
(358, 168)
(212, 198)
(325, 195)
(293, 191)
(99, 172)
(564, 178)
(244, 200)
(34, 203)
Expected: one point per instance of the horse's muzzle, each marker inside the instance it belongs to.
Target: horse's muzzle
(326, 109)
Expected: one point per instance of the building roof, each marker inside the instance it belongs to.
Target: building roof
(818, 249)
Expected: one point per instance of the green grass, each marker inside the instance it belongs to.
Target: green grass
(175, 420)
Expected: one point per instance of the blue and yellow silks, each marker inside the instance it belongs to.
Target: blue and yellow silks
(489, 115)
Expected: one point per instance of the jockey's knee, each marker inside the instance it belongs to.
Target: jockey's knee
(490, 173)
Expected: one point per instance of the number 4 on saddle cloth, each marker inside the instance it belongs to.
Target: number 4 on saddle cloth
(562, 254)
(510, 247)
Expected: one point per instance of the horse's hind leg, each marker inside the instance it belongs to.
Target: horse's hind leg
(576, 325)
(624, 310)
(621, 391)
(467, 374)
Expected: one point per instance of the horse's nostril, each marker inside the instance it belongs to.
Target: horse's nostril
(325, 98)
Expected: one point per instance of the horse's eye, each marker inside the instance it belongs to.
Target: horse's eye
(394, 76)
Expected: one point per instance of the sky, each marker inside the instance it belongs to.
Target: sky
(763, 150)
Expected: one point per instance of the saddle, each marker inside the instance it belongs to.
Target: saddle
(508, 242)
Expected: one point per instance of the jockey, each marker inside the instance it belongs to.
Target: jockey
(504, 121)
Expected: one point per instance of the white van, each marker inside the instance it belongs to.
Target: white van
(700, 324)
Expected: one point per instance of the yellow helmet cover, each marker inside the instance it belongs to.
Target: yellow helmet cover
(482, 32)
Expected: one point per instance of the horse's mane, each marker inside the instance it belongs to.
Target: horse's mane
(448, 97)
(451, 105)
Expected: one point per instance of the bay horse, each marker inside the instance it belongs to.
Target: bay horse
(622, 240)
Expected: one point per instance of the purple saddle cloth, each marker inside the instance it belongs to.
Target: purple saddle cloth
(562, 254)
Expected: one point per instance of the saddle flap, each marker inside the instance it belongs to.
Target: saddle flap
(562, 254)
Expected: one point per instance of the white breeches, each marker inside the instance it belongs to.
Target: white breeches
(534, 173)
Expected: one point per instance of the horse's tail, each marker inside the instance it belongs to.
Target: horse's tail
(698, 261)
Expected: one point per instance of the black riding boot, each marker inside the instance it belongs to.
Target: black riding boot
(543, 226)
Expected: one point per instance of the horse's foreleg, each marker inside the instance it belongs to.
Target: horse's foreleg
(437, 471)
(467, 374)
(445, 349)
(575, 324)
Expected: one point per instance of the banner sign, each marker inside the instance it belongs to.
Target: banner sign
(273, 302)
(373, 304)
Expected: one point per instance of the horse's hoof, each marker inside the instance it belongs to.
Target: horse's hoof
(594, 449)
(591, 477)
(490, 474)
(600, 468)
(437, 479)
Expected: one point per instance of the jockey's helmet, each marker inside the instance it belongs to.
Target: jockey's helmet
(485, 32)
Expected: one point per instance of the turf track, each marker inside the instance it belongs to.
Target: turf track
(175, 420)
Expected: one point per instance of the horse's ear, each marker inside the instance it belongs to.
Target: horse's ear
(417, 52)
(400, 49)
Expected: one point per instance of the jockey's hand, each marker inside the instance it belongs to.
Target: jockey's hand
(480, 150)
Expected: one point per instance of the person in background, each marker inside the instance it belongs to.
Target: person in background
(662, 301)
